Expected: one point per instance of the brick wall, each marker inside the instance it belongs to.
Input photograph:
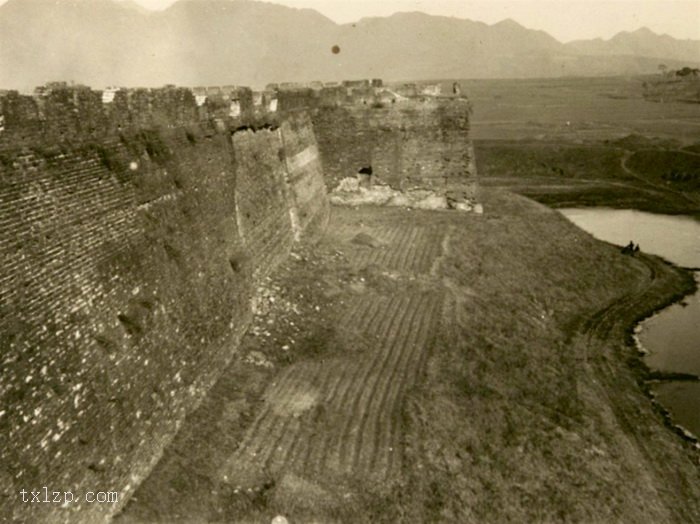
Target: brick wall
(305, 174)
(408, 142)
(132, 235)
(262, 200)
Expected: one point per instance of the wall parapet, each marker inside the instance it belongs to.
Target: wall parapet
(60, 113)
(57, 112)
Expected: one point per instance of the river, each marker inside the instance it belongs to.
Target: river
(671, 338)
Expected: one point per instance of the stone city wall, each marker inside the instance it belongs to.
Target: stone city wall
(135, 226)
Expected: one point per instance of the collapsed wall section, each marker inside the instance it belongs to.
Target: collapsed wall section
(132, 240)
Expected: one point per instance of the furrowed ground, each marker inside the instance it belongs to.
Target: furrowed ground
(422, 366)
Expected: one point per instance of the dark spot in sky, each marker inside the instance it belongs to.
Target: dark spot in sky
(335, 49)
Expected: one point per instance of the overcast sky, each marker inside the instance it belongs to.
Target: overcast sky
(564, 19)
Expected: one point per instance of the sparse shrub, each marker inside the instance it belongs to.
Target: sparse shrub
(6, 161)
(240, 262)
(109, 158)
(147, 140)
(155, 147)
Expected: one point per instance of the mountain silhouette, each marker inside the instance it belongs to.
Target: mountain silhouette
(215, 42)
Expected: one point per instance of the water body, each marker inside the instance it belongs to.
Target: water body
(676, 238)
(671, 337)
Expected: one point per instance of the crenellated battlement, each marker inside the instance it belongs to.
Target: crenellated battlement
(58, 112)
(61, 113)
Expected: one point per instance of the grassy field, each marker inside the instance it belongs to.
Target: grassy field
(576, 109)
(591, 142)
(562, 174)
(457, 368)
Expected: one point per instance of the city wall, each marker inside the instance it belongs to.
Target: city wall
(135, 227)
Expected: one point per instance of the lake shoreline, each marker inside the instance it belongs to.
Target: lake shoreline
(645, 374)
(621, 205)
(651, 376)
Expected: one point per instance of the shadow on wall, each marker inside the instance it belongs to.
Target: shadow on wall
(131, 265)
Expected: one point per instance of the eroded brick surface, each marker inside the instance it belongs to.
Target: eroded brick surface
(134, 225)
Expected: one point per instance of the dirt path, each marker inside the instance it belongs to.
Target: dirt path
(612, 323)
(645, 182)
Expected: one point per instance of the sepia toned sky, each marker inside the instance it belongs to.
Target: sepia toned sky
(564, 19)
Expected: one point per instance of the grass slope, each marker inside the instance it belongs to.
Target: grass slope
(524, 406)
(524, 415)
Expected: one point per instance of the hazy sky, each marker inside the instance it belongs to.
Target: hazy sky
(564, 19)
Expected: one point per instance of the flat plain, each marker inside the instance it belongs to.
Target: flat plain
(587, 141)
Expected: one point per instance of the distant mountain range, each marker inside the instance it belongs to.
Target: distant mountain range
(216, 42)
